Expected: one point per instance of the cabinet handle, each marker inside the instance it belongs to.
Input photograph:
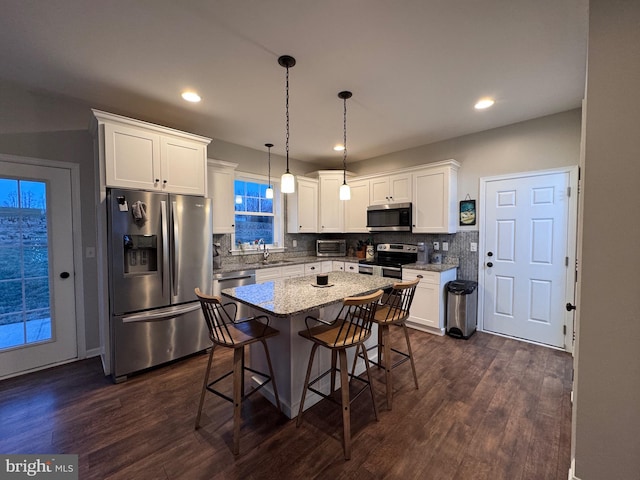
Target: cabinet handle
(489, 264)
(312, 268)
(419, 276)
(157, 180)
(164, 181)
(233, 224)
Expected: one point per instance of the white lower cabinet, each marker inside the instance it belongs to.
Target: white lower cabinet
(291, 271)
(337, 266)
(351, 267)
(429, 302)
(266, 274)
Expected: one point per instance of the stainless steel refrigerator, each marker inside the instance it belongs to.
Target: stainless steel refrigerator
(160, 250)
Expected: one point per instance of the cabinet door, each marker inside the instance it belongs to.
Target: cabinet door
(331, 218)
(400, 188)
(327, 266)
(291, 271)
(379, 191)
(434, 205)
(312, 268)
(337, 266)
(351, 267)
(355, 214)
(425, 307)
(302, 207)
(132, 157)
(266, 274)
(183, 166)
(220, 189)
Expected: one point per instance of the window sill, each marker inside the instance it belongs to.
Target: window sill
(253, 251)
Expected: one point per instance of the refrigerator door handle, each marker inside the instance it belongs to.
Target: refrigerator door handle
(176, 248)
(161, 314)
(165, 249)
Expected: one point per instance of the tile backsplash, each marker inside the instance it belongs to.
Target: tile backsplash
(459, 246)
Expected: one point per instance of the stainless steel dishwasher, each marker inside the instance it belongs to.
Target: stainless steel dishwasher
(234, 279)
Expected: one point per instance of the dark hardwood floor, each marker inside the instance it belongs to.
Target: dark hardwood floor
(487, 408)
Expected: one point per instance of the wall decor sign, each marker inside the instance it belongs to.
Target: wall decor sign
(467, 212)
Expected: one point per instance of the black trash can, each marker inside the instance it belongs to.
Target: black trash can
(462, 308)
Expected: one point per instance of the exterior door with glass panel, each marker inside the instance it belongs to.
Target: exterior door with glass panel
(527, 272)
(37, 292)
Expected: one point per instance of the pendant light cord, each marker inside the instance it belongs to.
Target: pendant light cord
(287, 115)
(344, 152)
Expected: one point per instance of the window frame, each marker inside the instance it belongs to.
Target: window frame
(278, 221)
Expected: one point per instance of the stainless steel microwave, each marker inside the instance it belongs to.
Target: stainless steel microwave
(393, 217)
(331, 248)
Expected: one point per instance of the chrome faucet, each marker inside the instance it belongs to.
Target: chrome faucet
(265, 252)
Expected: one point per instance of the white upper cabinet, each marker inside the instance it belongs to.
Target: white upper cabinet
(435, 198)
(331, 208)
(355, 210)
(394, 188)
(141, 155)
(302, 207)
(220, 179)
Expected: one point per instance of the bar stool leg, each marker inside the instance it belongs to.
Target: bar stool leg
(368, 369)
(346, 407)
(387, 364)
(306, 385)
(238, 354)
(413, 365)
(334, 361)
(204, 386)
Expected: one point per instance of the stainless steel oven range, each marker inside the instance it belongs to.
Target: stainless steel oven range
(389, 260)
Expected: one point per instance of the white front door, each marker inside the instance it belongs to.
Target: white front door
(37, 292)
(527, 258)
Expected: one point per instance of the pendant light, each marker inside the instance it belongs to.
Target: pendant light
(269, 192)
(345, 190)
(288, 181)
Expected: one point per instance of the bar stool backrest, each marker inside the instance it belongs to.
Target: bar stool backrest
(356, 316)
(217, 318)
(397, 303)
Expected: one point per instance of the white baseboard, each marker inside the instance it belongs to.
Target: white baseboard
(94, 352)
(572, 469)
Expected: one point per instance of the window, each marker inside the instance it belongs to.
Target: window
(256, 217)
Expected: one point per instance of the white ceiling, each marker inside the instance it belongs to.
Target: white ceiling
(415, 67)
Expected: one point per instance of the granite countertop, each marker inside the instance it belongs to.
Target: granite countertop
(237, 266)
(291, 296)
(431, 267)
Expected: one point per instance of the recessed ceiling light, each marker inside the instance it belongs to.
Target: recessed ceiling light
(338, 148)
(192, 97)
(484, 103)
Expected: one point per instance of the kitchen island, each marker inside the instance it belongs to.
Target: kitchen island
(288, 302)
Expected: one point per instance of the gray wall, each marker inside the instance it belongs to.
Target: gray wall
(607, 390)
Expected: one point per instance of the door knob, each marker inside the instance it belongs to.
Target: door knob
(489, 254)
(570, 307)
(64, 275)
(489, 264)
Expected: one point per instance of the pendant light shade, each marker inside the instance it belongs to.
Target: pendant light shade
(345, 190)
(288, 181)
(269, 192)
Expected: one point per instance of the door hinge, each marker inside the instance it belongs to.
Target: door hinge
(564, 329)
(566, 261)
(568, 191)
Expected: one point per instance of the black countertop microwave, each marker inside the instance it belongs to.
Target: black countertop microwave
(393, 217)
